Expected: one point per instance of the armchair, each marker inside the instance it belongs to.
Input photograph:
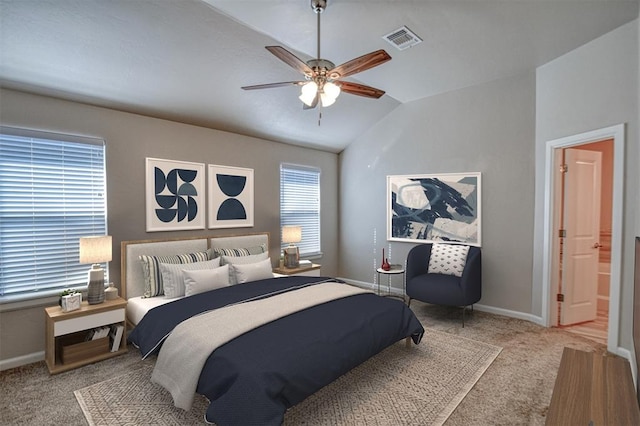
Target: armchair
(441, 289)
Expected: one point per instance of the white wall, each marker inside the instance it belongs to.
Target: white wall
(487, 128)
(592, 87)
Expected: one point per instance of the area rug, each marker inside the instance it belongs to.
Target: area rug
(417, 385)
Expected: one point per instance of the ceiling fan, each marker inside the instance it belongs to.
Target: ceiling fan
(323, 82)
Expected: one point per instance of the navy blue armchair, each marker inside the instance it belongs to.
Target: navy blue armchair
(440, 289)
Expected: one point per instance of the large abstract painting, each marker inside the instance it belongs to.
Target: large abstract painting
(230, 197)
(175, 193)
(434, 208)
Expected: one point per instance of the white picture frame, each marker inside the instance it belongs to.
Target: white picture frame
(175, 195)
(429, 208)
(230, 197)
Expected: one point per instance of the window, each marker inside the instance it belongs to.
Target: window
(52, 192)
(300, 205)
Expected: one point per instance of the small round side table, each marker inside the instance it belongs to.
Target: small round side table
(395, 270)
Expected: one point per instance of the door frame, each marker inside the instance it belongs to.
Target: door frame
(549, 284)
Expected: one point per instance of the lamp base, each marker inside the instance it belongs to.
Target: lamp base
(291, 257)
(95, 289)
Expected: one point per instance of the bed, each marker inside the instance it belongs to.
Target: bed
(258, 346)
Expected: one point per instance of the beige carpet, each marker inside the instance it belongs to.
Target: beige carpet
(417, 385)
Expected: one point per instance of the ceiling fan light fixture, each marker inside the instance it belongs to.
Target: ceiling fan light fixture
(329, 94)
(331, 89)
(308, 93)
(320, 74)
(326, 100)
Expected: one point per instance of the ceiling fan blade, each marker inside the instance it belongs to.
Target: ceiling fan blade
(360, 64)
(272, 85)
(359, 89)
(290, 59)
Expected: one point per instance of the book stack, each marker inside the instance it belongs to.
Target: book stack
(114, 332)
(116, 336)
(97, 333)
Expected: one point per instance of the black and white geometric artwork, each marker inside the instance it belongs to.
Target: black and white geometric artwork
(230, 197)
(434, 208)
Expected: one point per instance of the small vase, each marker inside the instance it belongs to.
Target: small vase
(385, 263)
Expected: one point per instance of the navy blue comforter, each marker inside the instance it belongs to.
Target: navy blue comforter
(256, 377)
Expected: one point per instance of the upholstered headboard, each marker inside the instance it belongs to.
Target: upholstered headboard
(132, 278)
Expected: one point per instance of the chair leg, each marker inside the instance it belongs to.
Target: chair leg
(464, 308)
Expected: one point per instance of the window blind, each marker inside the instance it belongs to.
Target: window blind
(300, 204)
(52, 192)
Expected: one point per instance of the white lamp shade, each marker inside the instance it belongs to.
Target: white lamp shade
(309, 91)
(95, 249)
(332, 90)
(326, 100)
(291, 234)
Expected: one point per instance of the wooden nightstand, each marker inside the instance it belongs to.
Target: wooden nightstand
(66, 332)
(309, 271)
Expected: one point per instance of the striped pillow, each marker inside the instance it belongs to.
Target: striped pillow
(236, 252)
(173, 278)
(151, 268)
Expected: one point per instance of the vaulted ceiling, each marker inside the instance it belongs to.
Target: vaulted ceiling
(186, 60)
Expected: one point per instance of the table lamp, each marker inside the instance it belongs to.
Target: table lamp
(291, 235)
(95, 250)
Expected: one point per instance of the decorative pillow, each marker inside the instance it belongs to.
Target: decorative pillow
(237, 252)
(205, 279)
(173, 278)
(151, 269)
(242, 260)
(245, 273)
(448, 259)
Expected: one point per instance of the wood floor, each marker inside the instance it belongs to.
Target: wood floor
(597, 330)
(594, 330)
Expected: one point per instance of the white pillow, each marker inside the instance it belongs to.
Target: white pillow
(173, 279)
(241, 260)
(448, 259)
(252, 271)
(203, 280)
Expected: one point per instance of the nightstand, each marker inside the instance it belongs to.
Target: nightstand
(310, 271)
(66, 347)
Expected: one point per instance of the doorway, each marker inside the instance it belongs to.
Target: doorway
(551, 244)
(584, 201)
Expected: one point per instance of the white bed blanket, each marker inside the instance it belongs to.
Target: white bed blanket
(179, 363)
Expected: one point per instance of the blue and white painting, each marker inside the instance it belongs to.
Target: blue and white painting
(175, 195)
(230, 197)
(434, 208)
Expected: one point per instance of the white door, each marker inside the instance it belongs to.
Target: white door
(580, 253)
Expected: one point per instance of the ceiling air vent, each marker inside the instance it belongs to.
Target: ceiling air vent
(402, 38)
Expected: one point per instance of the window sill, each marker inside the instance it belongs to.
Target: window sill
(18, 303)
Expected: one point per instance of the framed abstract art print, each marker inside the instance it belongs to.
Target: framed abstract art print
(434, 208)
(175, 195)
(230, 197)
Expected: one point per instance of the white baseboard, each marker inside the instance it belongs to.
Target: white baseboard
(19, 361)
(370, 286)
(629, 356)
(484, 308)
(509, 313)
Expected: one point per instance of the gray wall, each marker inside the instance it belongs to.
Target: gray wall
(487, 128)
(129, 139)
(593, 87)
